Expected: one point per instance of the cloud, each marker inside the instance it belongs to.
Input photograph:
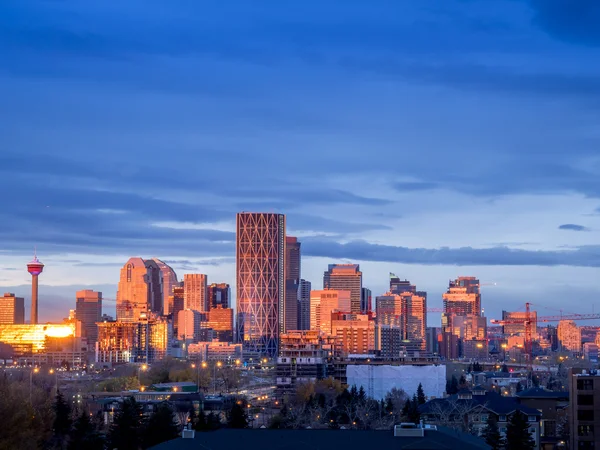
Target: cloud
(358, 250)
(573, 227)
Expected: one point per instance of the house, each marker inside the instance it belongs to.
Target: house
(469, 409)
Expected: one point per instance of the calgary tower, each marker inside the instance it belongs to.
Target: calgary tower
(35, 267)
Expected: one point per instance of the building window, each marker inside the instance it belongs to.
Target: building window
(484, 417)
(585, 385)
(502, 430)
(531, 419)
(585, 400)
(128, 273)
(502, 419)
(585, 430)
(587, 415)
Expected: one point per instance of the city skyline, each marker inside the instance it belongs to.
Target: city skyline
(492, 118)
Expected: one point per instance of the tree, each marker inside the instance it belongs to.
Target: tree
(237, 418)
(504, 368)
(84, 434)
(519, 387)
(452, 386)
(62, 422)
(362, 395)
(517, 433)
(421, 399)
(126, 430)
(213, 422)
(192, 417)
(492, 435)
(161, 426)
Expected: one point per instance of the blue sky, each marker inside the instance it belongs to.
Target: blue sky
(431, 139)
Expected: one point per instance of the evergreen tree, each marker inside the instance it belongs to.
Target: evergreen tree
(213, 422)
(362, 395)
(421, 395)
(389, 405)
(462, 382)
(452, 387)
(477, 367)
(85, 434)
(413, 413)
(201, 424)
(492, 435)
(504, 368)
(125, 432)
(406, 410)
(237, 418)
(517, 433)
(519, 387)
(161, 426)
(62, 422)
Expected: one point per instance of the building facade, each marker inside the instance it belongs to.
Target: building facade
(366, 301)
(304, 289)
(221, 321)
(219, 294)
(88, 310)
(195, 292)
(139, 291)
(354, 333)
(12, 309)
(292, 282)
(169, 281)
(345, 277)
(584, 408)
(462, 297)
(260, 274)
(569, 336)
(325, 302)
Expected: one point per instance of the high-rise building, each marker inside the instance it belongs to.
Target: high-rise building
(260, 274)
(388, 308)
(35, 268)
(516, 321)
(88, 311)
(221, 321)
(584, 408)
(408, 312)
(462, 297)
(169, 281)
(304, 305)
(432, 337)
(355, 333)
(177, 303)
(292, 281)
(189, 324)
(345, 277)
(365, 300)
(398, 286)
(195, 292)
(219, 294)
(569, 336)
(140, 290)
(323, 303)
(12, 310)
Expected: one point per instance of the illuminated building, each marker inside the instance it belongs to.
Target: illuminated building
(304, 305)
(188, 324)
(398, 286)
(462, 297)
(365, 300)
(517, 327)
(177, 304)
(389, 340)
(569, 336)
(140, 290)
(260, 274)
(346, 277)
(219, 294)
(584, 408)
(388, 308)
(195, 292)
(35, 268)
(432, 337)
(145, 341)
(289, 320)
(169, 281)
(88, 310)
(221, 321)
(323, 303)
(215, 351)
(12, 309)
(355, 333)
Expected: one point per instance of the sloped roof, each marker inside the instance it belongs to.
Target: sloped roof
(491, 401)
(543, 393)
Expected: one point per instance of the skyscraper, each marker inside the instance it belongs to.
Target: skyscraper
(178, 304)
(260, 274)
(398, 286)
(323, 303)
(462, 297)
(195, 292)
(88, 310)
(292, 280)
(12, 310)
(169, 280)
(365, 300)
(569, 336)
(35, 267)
(219, 294)
(345, 277)
(304, 305)
(140, 290)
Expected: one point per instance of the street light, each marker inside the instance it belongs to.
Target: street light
(218, 364)
(143, 367)
(55, 373)
(34, 370)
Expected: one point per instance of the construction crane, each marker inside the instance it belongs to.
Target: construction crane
(528, 323)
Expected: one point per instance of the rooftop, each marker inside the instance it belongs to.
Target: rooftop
(543, 393)
(491, 400)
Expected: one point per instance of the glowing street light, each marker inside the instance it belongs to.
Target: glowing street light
(34, 370)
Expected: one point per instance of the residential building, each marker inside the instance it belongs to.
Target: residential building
(12, 309)
(366, 301)
(221, 321)
(169, 281)
(260, 274)
(88, 310)
(569, 336)
(289, 320)
(590, 351)
(554, 407)
(139, 291)
(584, 408)
(323, 303)
(304, 290)
(345, 277)
(355, 333)
(389, 341)
(219, 294)
(195, 292)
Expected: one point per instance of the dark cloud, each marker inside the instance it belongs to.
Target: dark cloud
(573, 227)
(569, 20)
(588, 256)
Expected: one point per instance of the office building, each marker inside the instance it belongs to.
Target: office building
(220, 320)
(139, 291)
(289, 320)
(304, 289)
(388, 308)
(189, 324)
(35, 340)
(323, 303)
(345, 277)
(215, 351)
(169, 281)
(462, 297)
(407, 312)
(177, 303)
(195, 292)
(432, 338)
(355, 333)
(584, 408)
(569, 336)
(398, 286)
(88, 311)
(365, 301)
(260, 275)
(219, 295)
(517, 319)
(12, 309)
(35, 268)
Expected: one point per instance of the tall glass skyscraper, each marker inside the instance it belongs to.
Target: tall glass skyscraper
(345, 277)
(260, 274)
(289, 320)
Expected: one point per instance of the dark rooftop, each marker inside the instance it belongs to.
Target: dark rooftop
(543, 393)
(442, 439)
(491, 400)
